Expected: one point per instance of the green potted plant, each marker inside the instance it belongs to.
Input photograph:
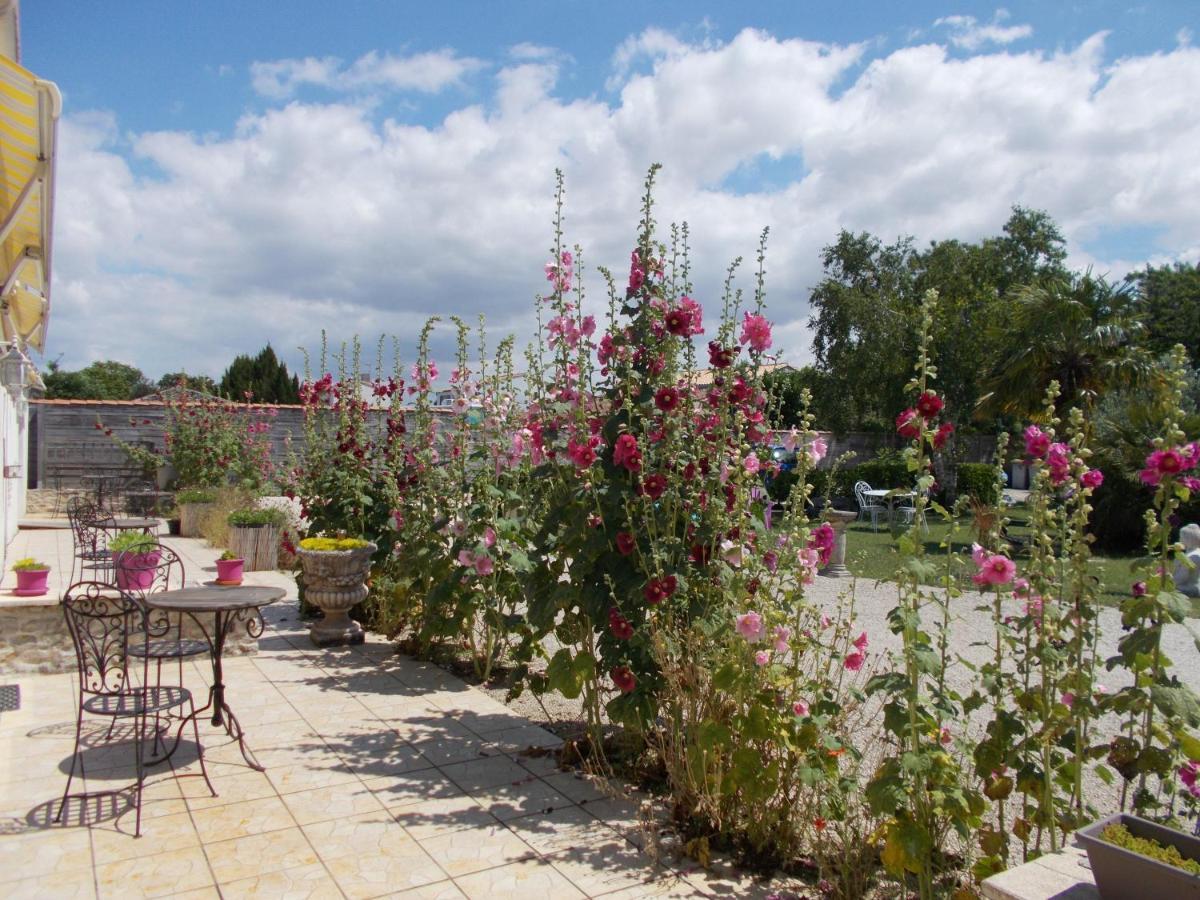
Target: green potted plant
(135, 557)
(230, 568)
(31, 577)
(193, 503)
(254, 536)
(1134, 857)
(335, 574)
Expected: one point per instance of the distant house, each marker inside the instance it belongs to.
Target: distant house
(704, 377)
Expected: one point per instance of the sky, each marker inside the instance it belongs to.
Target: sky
(237, 173)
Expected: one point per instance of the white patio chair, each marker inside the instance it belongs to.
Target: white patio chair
(868, 505)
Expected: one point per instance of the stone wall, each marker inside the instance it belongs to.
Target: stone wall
(34, 638)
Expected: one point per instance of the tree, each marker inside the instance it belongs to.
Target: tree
(193, 382)
(264, 377)
(1168, 298)
(1078, 330)
(105, 380)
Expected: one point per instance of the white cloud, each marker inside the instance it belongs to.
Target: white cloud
(422, 72)
(314, 215)
(968, 33)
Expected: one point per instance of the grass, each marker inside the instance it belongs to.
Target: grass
(872, 555)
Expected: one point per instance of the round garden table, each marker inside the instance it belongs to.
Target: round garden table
(146, 525)
(232, 607)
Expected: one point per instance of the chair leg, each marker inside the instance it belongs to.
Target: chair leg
(139, 737)
(74, 758)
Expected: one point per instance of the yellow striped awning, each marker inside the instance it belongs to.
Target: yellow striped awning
(29, 111)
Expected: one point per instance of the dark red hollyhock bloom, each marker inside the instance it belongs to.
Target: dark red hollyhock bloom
(719, 357)
(666, 398)
(678, 321)
(623, 678)
(625, 543)
(620, 626)
(700, 554)
(943, 434)
(929, 404)
(659, 589)
(626, 453)
(654, 485)
(908, 424)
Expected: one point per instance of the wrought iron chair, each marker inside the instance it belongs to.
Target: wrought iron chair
(99, 618)
(90, 538)
(867, 506)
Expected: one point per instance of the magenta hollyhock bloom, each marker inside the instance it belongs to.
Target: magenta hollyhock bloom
(929, 404)
(659, 589)
(861, 641)
(666, 399)
(1092, 478)
(654, 485)
(750, 626)
(996, 569)
(943, 435)
(1068, 699)
(1138, 589)
(483, 564)
(623, 678)
(1189, 774)
(756, 331)
(909, 424)
(1058, 461)
(582, 453)
(625, 543)
(800, 708)
(626, 453)
(821, 539)
(854, 661)
(1037, 442)
(1192, 484)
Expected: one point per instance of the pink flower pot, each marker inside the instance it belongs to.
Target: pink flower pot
(136, 571)
(32, 582)
(229, 571)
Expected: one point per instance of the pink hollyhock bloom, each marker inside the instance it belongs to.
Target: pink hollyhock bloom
(762, 657)
(929, 404)
(750, 626)
(854, 661)
(582, 453)
(732, 552)
(945, 736)
(908, 424)
(626, 453)
(1092, 478)
(756, 331)
(997, 570)
(483, 564)
(1189, 774)
(816, 451)
(861, 641)
(810, 562)
(1138, 589)
(781, 633)
(1068, 699)
(1021, 587)
(1192, 484)
(1161, 464)
(636, 276)
(466, 558)
(978, 555)
(458, 528)
(397, 519)
(771, 561)
(822, 539)
(751, 464)
(623, 678)
(1058, 461)
(789, 440)
(489, 537)
(1037, 442)
(588, 327)
(800, 708)
(825, 622)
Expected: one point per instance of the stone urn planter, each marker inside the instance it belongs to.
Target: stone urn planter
(839, 519)
(335, 581)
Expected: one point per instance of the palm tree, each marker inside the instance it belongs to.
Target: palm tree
(1078, 330)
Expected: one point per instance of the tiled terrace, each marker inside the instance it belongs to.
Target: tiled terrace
(384, 777)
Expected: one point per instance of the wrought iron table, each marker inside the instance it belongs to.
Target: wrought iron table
(232, 607)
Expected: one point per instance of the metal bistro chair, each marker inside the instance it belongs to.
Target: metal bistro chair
(99, 618)
(866, 505)
(90, 538)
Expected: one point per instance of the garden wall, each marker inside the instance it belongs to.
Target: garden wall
(866, 444)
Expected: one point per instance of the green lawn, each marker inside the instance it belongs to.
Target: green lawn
(872, 555)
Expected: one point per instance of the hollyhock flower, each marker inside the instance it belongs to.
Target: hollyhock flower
(942, 435)
(822, 539)
(1037, 442)
(623, 678)
(1068, 699)
(854, 661)
(666, 399)
(636, 276)
(800, 708)
(1192, 484)
(654, 485)
(978, 555)
(397, 520)
(751, 464)
(861, 642)
(816, 450)
(1058, 461)
(1189, 774)
(1160, 464)
(762, 657)
(996, 570)
(720, 357)
(756, 331)
(621, 627)
(626, 543)
(810, 561)
(659, 589)
(1092, 478)
(780, 634)
(751, 627)
(945, 736)
(1138, 589)
(771, 561)
(1034, 605)
(732, 552)
(582, 453)
(483, 564)
(929, 404)
(825, 622)
(908, 424)
(626, 453)
(790, 440)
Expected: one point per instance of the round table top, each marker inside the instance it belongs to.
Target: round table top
(895, 492)
(215, 598)
(130, 524)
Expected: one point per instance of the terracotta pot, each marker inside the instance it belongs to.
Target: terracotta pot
(335, 581)
(32, 582)
(135, 571)
(229, 571)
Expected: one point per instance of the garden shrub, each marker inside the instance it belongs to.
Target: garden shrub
(978, 480)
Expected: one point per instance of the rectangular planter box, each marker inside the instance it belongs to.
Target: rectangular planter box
(1122, 873)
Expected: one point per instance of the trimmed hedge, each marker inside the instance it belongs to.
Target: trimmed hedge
(978, 480)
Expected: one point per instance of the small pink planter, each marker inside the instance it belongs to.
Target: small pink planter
(32, 582)
(229, 571)
(135, 571)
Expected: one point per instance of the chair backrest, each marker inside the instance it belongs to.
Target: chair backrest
(87, 529)
(860, 489)
(101, 620)
(165, 575)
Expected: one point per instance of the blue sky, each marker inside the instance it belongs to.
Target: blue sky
(204, 144)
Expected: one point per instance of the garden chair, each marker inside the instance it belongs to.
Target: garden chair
(90, 539)
(106, 625)
(906, 508)
(867, 506)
